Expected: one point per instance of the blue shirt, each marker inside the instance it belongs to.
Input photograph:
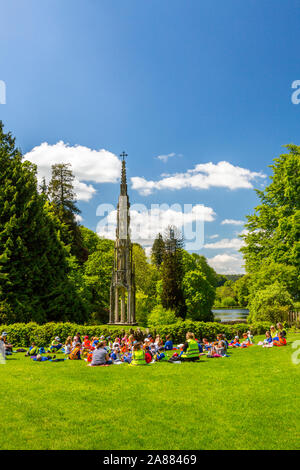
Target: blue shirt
(168, 345)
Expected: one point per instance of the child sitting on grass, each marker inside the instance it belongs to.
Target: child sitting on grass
(235, 343)
(68, 345)
(75, 354)
(246, 341)
(221, 346)
(207, 345)
(55, 345)
(160, 355)
(33, 350)
(267, 342)
(148, 355)
(281, 329)
(116, 355)
(100, 356)
(138, 355)
(86, 343)
(190, 349)
(281, 341)
(274, 333)
(168, 344)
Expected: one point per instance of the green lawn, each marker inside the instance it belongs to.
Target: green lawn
(247, 401)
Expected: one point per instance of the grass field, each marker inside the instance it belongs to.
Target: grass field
(250, 400)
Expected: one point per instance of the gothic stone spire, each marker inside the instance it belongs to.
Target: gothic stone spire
(122, 292)
(123, 175)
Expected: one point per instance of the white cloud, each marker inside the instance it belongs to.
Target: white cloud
(227, 264)
(203, 176)
(212, 237)
(165, 158)
(98, 166)
(243, 232)
(225, 243)
(232, 222)
(78, 218)
(146, 223)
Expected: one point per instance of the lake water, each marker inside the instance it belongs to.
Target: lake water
(231, 314)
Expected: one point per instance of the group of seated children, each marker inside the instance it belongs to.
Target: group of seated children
(105, 351)
(274, 337)
(216, 348)
(247, 341)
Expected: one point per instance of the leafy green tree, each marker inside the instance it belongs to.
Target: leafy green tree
(270, 272)
(203, 266)
(63, 197)
(270, 304)
(228, 302)
(90, 239)
(161, 316)
(144, 305)
(221, 279)
(44, 188)
(241, 288)
(146, 277)
(97, 274)
(199, 296)
(226, 291)
(274, 228)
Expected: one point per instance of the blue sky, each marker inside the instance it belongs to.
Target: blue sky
(207, 81)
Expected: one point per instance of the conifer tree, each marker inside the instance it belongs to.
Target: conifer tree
(157, 253)
(34, 268)
(172, 296)
(63, 198)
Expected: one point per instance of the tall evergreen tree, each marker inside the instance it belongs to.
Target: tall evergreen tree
(158, 249)
(34, 270)
(44, 188)
(63, 198)
(172, 296)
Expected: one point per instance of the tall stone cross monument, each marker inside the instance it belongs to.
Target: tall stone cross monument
(122, 290)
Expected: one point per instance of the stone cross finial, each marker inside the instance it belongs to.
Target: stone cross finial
(123, 155)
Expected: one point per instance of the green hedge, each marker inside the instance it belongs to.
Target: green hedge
(23, 334)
